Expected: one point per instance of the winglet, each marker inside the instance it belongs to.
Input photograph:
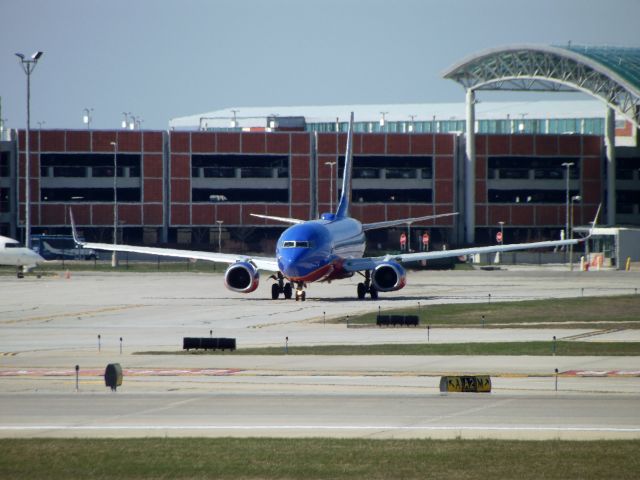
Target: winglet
(594, 224)
(76, 239)
(345, 198)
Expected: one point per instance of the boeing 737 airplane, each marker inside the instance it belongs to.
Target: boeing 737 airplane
(323, 250)
(13, 253)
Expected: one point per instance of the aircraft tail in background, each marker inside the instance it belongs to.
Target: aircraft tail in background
(345, 198)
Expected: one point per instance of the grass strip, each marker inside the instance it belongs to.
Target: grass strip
(494, 348)
(253, 458)
(593, 310)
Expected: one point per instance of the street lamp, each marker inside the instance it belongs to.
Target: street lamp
(219, 222)
(125, 122)
(330, 164)
(86, 118)
(114, 255)
(568, 165)
(28, 64)
(575, 198)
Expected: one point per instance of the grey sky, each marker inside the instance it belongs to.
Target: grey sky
(161, 59)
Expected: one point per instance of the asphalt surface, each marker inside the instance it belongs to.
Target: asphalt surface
(49, 325)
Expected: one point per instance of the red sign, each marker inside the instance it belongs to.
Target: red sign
(403, 239)
(425, 238)
(499, 237)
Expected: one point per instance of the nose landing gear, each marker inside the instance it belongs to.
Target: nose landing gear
(300, 293)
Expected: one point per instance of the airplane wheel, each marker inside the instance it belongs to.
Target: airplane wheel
(288, 291)
(275, 291)
(373, 292)
(303, 296)
(362, 291)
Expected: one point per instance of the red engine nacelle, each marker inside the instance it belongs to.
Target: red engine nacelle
(389, 276)
(242, 277)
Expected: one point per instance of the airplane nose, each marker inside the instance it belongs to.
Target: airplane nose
(290, 263)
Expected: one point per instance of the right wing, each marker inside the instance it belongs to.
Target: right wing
(262, 263)
(369, 263)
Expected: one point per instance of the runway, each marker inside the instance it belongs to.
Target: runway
(52, 324)
(362, 415)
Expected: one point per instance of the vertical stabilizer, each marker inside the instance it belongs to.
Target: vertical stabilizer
(345, 197)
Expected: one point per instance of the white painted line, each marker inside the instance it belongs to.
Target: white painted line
(314, 427)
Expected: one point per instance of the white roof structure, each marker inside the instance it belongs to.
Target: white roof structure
(256, 117)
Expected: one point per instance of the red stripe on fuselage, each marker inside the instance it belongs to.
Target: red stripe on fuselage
(316, 275)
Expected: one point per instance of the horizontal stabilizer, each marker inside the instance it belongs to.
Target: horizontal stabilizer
(295, 221)
(403, 221)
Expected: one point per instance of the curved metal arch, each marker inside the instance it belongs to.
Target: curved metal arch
(542, 68)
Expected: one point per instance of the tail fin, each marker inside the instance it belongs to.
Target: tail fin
(74, 232)
(345, 198)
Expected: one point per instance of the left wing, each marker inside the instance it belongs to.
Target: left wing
(262, 263)
(369, 263)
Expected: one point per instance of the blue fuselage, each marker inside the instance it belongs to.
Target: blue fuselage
(314, 251)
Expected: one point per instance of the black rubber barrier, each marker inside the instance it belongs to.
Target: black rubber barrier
(466, 383)
(113, 376)
(406, 320)
(208, 343)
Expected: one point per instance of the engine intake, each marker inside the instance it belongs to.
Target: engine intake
(389, 276)
(242, 277)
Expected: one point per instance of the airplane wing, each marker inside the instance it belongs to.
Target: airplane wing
(369, 263)
(402, 221)
(278, 219)
(262, 263)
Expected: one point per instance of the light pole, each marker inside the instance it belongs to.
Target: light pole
(114, 255)
(28, 64)
(86, 118)
(568, 165)
(575, 198)
(331, 164)
(125, 121)
(219, 222)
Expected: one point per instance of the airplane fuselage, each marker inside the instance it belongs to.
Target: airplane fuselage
(314, 251)
(12, 253)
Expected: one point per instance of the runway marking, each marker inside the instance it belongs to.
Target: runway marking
(320, 427)
(83, 313)
(151, 372)
(601, 373)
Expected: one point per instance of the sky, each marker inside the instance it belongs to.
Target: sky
(160, 59)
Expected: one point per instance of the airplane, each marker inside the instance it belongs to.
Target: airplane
(329, 248)
(13, 253)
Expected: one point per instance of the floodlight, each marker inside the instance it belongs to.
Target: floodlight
(36, 55)
(20, 56)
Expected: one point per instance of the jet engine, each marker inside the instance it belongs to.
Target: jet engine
(388, 276)
(242, 277)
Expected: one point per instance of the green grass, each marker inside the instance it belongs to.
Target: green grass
(497, 348)
(599, 312)
(253, 458)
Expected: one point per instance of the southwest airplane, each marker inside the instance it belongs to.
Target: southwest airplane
(323, 250)
(13, 253)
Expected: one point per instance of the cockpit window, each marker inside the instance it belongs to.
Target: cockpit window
(12, 245)
(296, 244)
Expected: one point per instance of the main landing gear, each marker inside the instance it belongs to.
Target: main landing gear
(285, 288)
(366, 287)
